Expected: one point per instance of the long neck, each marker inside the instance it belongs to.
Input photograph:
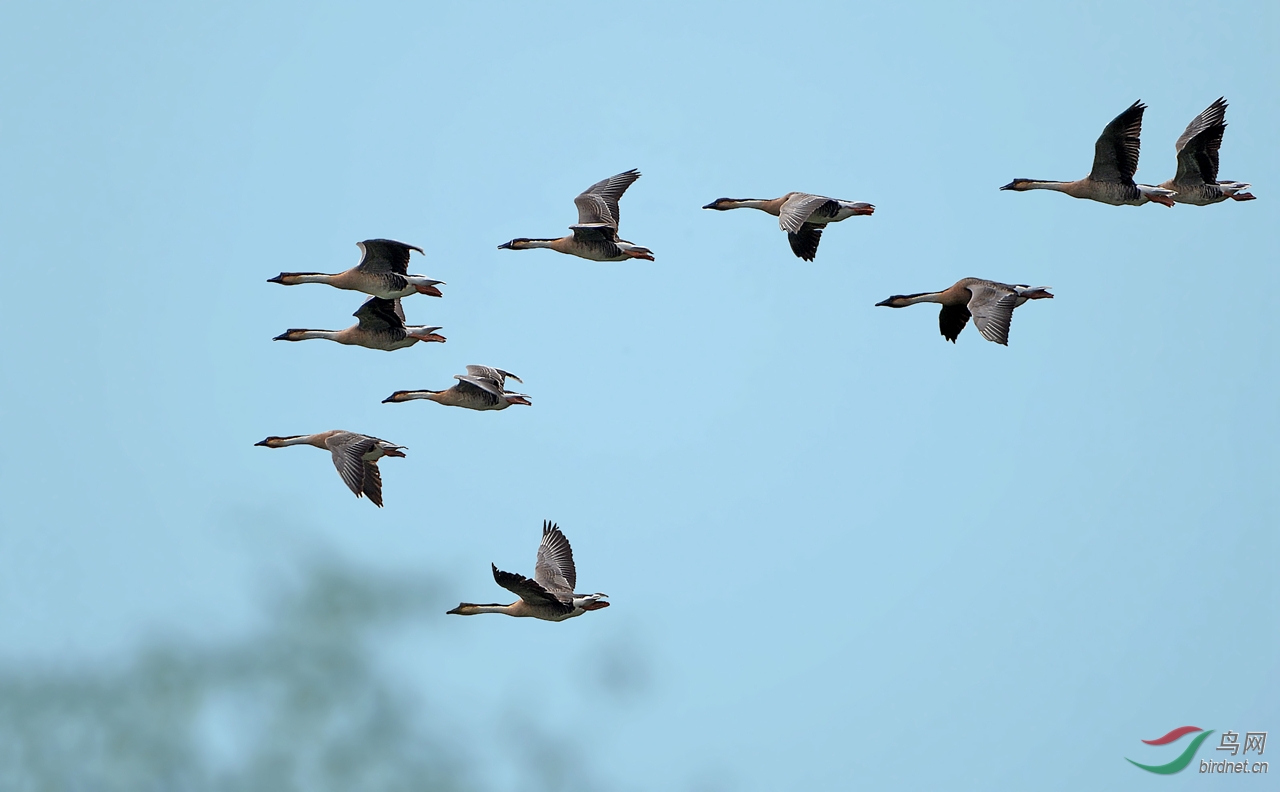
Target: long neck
(467, 609)
(1056, 186)
(292, 278)
(749, 203)
(933, 297)
(430, 395)
(541, 243)
(302, 440)
(306, 335)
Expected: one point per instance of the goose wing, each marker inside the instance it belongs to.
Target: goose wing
(1198, 146)
(384, 255)
(595, 233)
(992, 308)
(379, 314)
(804, 243)
(801, 206)
(493, 373)
(348, 450)
(371, 486)
(599, 202)
(485, 391)
(951, 320)
(554, 569)
(529, 590)
(1115, 155)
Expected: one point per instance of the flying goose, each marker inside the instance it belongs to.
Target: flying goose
(550, 594)
(481, 388)
(1115, 160)
(381, 326)
(595, 236)
(382, 272)
(801, 215)
(354, 455)
(990, 304)
(1196, 180)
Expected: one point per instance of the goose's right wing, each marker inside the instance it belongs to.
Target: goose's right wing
(1115, 155)
(384, 255)
(554, 569)
(372, 484)
(599, 202)
(493, 374)
(483, 390)
(1199, 144)
(992, 310)
(348, 450)
(799, 207)
(379, 314)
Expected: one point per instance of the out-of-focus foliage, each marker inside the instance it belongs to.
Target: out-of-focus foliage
(299, 705)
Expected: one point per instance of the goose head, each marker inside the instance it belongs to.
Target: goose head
(1019, 185)
(471, 609)
(722, 204)
(404, 396)
(292, 335)
(896, 301)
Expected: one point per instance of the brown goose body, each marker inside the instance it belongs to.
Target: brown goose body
(989, 303)
(1196, 180)
(803, 216)
(383, 272)
(1115, 160)
(549, 594)
(595, 235)
(381, 326)
(354, 455)
(481, 388)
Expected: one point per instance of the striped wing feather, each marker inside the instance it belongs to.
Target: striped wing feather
(554, 569)
(1115, 155)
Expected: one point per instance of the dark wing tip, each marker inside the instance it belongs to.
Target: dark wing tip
(805, 243)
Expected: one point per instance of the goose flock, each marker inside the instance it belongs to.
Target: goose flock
(383, 275)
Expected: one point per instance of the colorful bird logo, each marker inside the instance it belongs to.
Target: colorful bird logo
(1184, 759)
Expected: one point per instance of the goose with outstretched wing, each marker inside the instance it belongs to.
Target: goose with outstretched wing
(1115, 160)
(481, 388)
(989, 303)
(354, 455)
(383, 272)
(595, 235)
(1196, 180)
(380, 325)
(802, 216)
(549, 595)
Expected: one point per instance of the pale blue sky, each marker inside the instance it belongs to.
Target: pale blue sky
(842, 552)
